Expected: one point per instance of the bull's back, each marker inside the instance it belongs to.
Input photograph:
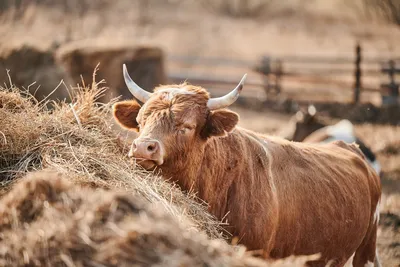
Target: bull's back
(326, 197)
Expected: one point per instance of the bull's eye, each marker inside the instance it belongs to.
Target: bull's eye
(186, 129)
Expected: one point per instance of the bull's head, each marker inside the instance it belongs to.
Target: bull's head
(174, 120)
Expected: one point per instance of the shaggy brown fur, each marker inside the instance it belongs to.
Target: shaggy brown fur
(285, 198)
(47, 221)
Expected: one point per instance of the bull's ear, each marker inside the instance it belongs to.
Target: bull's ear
(220, 122)
(125, 113)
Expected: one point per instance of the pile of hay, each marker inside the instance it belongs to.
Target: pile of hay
(47, 221)
(77, 139)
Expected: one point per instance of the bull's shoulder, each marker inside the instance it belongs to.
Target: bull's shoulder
(361, 162)
(337, 153)
(290, 152)
(321, 162)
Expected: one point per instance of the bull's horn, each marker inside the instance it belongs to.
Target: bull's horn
(228, 99)
(141, 94)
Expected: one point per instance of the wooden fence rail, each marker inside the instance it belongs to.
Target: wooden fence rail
(351, 75)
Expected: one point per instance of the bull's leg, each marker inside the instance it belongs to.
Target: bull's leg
(366, 254)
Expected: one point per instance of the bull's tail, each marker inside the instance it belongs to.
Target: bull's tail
(377, 262)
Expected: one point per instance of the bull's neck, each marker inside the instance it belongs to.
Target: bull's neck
(184, 169)
(202, 168)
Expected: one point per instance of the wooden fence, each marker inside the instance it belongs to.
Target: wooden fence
(351, 78)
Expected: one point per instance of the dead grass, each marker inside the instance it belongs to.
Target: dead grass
(77, 140)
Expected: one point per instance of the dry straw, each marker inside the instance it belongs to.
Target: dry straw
(77, 140)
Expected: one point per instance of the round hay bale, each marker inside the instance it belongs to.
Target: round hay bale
(32, 68)
(145, 63)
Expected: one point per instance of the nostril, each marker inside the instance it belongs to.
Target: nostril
(151, 148)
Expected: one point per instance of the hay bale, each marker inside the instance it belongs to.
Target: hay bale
(28, 65)
(145, 64)
(47, 221)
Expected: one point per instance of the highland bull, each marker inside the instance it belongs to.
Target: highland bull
(281, 197)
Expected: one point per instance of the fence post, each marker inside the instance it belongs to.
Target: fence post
(266, 69)
(394, 88)
(278, 76)
(357, 76)
(390, 91)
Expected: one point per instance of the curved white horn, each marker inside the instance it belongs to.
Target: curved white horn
(141, 94)
(228, 99)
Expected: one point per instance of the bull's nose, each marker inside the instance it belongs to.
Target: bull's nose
(148, 149)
